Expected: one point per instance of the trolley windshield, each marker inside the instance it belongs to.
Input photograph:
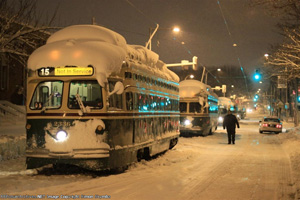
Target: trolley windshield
(47, 95)
(87, 91)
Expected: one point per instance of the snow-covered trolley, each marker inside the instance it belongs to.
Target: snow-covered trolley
(225, 104)
(198, 108)
(96, 102)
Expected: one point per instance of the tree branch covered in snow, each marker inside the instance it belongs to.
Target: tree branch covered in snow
(287, 55)
(20, 29)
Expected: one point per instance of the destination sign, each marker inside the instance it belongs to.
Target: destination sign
(66, 71)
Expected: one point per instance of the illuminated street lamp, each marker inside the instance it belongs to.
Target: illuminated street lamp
(189, 76)
(176, 29)
(266, 55)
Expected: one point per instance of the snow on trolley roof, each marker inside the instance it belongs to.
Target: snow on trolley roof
(225, 101)
(104, 49)
(192, 88)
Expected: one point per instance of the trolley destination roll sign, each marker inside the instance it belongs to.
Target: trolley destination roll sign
(66, 71)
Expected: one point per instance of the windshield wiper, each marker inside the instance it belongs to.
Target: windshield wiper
(80, 103)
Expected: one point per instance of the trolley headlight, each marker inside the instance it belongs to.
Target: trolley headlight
(187, 122)
(220, 119)
(61, 136)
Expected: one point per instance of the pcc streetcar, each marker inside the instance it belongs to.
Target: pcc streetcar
(198, 108)
(225, 104)
(96, 102)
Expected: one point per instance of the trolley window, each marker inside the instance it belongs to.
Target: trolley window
(87, 91)
(115, 100)
(47, 95)
(195, 107)
(183, 107)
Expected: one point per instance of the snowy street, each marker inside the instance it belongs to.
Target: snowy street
(257, 167)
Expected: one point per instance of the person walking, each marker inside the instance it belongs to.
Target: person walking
(230, 122)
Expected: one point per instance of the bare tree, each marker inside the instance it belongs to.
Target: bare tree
(20, 29)
(287, 56)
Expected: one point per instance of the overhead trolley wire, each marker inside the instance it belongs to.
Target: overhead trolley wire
(231, 37)
(141, 12)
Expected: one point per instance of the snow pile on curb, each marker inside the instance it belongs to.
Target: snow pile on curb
(291, 145)
(12, 147)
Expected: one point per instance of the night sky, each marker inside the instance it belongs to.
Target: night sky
(202, 22)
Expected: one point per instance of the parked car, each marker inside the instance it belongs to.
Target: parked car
(270, 124)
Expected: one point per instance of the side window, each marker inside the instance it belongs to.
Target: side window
(183, 107)
(129, 101)
(115, 100)
(195, 107)
(135, 101)
(128, 75)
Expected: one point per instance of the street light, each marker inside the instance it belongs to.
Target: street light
(191, 76)
(266, 56)
(176, 29)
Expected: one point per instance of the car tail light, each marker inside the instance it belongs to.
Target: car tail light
(265, 125)
(278, 126)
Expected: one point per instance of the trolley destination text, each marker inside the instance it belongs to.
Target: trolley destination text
(66, 71)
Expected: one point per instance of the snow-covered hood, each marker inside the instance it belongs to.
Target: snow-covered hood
(104, 57)
(104, 49)
(189, 88)
(82, 45)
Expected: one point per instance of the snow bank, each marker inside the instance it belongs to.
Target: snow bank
(291, 144)
(12, 147)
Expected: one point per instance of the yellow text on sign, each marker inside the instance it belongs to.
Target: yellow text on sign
(74, 71)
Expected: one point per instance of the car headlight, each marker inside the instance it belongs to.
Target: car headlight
(61, 136)
(187, 122)
(220, 119)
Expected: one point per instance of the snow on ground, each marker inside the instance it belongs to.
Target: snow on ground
(166, 175)
(291, 144)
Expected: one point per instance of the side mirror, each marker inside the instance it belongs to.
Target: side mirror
(118, 89)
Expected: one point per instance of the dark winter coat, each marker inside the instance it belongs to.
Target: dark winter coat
(230, 122)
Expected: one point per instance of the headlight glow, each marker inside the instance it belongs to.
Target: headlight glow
(187, 122)
(61, 136)
(220, 119)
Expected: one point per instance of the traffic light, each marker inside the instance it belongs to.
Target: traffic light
(298, 94)
(256, 96)
(257, 75)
